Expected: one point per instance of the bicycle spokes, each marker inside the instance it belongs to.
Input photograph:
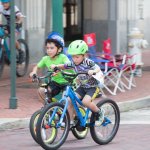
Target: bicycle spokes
(104, 133)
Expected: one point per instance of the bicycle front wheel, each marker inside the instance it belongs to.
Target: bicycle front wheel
(48, 119)
(23, 62)
(106, 131)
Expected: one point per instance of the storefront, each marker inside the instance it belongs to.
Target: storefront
(74, 18)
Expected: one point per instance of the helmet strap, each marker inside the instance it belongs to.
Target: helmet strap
(58, 52)
(81, 61)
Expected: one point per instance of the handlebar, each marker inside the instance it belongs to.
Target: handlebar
(67, 75)
(36, 78)
(71, 74)
(3, 25)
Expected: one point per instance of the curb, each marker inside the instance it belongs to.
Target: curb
(13, 123)
(134, 104)
(17, 123)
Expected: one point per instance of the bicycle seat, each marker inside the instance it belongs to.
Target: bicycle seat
(44, 85)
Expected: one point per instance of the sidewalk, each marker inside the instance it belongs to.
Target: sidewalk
(28, 100)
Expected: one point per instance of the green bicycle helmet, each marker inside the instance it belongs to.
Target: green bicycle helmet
(77, 47)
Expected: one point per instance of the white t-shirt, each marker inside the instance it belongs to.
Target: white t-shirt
(6, 13)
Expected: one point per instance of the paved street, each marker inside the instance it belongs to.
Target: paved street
(133, 134)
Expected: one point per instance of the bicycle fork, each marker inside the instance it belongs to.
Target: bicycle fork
(52, 117)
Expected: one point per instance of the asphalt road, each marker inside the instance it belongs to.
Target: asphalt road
(133, 134)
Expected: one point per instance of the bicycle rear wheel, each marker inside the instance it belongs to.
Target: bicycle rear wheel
(1, 61)
(105, 133)
(22, 65)
(33, 128)
(80, 132)
(43, 125)
(32, 124)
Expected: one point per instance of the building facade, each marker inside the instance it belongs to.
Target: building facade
(74, 18)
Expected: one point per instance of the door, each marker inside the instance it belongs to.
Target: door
(73, 19)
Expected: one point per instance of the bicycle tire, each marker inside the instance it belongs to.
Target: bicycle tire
(32, 127)
(47, 111)
(22, 68)
(2, 62)
(98, 136)
(80, 134)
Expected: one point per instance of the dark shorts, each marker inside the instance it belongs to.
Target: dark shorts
(56, 88)
(92, 92)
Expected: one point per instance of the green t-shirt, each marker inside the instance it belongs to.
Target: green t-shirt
(46, 61)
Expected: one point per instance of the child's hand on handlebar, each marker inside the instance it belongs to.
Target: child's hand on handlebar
(32, 74)
(91, 72)
(53, 66)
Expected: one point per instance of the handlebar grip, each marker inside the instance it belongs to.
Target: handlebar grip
(34, 77)
(56, 69)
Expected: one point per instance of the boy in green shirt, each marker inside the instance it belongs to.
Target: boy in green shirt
(54, 46)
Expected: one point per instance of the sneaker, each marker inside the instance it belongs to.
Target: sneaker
(71, 124)
(21, 58)
(99, 95)
(63, 124)
(99, 117)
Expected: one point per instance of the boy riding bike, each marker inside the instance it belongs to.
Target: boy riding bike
(5, 11)
(54, 46)
(88, 88)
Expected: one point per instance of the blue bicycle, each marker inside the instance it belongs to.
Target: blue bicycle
(44, 82)
(55, 115)
(22, 65)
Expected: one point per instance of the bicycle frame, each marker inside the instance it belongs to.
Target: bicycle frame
(3, 42)
(70, 93)
(39, 79)
(7, 50)
(22, 52)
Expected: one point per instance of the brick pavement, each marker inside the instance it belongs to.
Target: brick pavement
(28, 99)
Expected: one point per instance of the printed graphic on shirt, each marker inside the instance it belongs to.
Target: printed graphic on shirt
(86, 81)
